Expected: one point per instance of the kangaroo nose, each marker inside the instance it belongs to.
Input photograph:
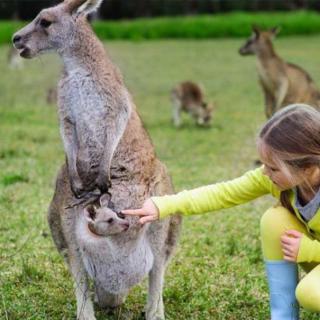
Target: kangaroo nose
(120, 215)
(16, 39)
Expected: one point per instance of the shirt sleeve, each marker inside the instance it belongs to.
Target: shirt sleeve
(251, 185)
(309, 250)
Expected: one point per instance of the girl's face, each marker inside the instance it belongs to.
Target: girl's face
(280, 177)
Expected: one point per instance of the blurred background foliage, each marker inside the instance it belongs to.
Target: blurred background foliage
(120, 9)
(233, 24)
(178, 19)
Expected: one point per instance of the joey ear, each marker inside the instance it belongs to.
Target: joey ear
(90, 211)
(104, 200)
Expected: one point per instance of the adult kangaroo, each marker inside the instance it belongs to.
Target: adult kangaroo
(108, 152)
(283, 83)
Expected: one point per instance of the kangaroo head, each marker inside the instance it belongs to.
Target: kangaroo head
(55, 28)
(205, 114)
(103, 221)
(258, 41)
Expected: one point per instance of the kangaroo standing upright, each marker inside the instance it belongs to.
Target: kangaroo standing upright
(108, 149)
(282, 83)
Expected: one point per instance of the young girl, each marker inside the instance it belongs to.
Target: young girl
(289, 148)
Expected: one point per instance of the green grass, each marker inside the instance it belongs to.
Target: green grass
(235, 24)
(217, 272)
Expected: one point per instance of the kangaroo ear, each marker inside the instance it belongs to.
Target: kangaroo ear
(73, 5)
(89, 7)
(274, 31)
(256, 30)
(83, 7)
(90, 211)
(104, 200)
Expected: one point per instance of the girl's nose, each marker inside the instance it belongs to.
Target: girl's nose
(266, 172)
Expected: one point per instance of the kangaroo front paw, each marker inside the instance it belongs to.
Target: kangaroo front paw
(78, 189)
(103, 183)
(88, 198)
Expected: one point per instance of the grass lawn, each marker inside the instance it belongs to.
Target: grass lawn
(217, 272)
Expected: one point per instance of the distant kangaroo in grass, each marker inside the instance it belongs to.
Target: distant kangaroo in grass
(107, 149)
(282, 83)
(188, 96)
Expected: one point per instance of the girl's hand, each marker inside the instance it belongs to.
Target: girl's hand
(149, 212)
(290, 243)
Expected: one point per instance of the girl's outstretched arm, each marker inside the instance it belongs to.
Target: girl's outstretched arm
(148, 213)
(209, 198)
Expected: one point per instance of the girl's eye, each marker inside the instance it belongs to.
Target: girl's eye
(45, 23)
(271, 169)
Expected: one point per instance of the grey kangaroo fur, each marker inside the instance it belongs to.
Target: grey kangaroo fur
(106, 148)
(282, 83)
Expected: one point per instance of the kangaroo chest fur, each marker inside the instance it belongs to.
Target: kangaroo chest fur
(116, 264)
(81, 100)
(265, 76)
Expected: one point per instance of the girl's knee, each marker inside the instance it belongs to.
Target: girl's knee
(279, 219)
(273, 224)
(308, 292)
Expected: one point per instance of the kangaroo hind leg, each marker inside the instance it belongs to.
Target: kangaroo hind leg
(155, 308)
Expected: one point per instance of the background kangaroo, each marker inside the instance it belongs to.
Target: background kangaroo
(282, 83)
(188, 96)
(105, 142)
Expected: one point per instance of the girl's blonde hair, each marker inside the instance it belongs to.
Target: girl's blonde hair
(292, 138)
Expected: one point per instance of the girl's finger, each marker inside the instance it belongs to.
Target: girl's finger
(287, 248)
(147, 219)
(134, 212)
(286, 240)
(293, 233)
(286, 251)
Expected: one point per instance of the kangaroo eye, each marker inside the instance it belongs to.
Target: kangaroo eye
(45, 23)
(110, 220)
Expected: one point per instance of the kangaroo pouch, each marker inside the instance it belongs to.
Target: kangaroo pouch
(116, 267)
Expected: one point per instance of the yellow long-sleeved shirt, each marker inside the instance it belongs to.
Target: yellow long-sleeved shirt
(251, 185)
